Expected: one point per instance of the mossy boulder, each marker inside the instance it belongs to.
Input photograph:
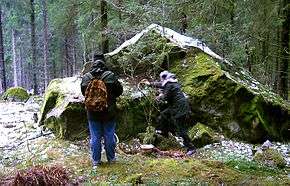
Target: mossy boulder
(64, 113)
(227, 98)
(63, 110)
(133, 116)
(222, 94)
(270, 157)
(17, 94)
(202, 135)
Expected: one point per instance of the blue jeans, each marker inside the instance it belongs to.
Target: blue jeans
(98, 130)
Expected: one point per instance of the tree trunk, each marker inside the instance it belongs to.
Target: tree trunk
(21, 67)
(15, 78)
(283, 67)
(183, 23)
(120, 3)
(2, 62)
(74, 59)
(33, 47)
(104, 25)
(45, 46)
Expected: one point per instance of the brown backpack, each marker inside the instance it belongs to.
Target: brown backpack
(96, 95)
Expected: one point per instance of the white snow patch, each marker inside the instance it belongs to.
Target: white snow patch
(180, 40)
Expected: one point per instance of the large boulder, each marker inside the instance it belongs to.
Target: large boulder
(63, 110)
(222, 94)
(17, 94)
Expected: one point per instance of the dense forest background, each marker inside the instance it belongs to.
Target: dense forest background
(45, 39)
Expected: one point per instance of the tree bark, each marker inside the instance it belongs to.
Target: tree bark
(21, 67)
(2, 62)
(283, 67)
(45, 46)
(104, 25)
(74, 58)
(15, 78)
(33, 47)
(120, 3)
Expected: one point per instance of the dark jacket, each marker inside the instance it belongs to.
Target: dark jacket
(178, 104)
(114, 90)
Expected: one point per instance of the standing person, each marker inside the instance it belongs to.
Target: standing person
(174, 117)
(101, 88)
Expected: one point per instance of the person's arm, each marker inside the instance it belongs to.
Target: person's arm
(117, 88)
(112, 80)
(156, 84)
(84, 84)
(166, 93)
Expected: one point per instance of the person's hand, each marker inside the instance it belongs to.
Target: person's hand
(145, 81)
(159, 97)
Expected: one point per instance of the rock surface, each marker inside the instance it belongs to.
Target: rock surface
(202, 135)
(63, 110)
(222, 94)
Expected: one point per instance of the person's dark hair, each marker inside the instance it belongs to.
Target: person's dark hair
(99, 56)
(98, 67)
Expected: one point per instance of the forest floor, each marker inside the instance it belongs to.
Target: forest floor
(140, 168)
(210, 165)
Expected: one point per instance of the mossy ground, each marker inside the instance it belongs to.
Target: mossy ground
(135, 169)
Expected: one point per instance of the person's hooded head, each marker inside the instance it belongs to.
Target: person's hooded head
(98, 66)
(166, 76)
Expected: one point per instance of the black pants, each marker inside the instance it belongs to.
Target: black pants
(176, 126)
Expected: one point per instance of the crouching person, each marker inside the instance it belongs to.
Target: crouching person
(101, 88)
(174, 117)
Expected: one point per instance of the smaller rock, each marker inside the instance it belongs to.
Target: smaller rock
(270, 157)
(267, 144)
(202, 135)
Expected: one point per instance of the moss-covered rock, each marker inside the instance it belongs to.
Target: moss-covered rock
(236, 105)
(64, 113)
(63, 110)
(270, 157)
(202, 135)
(223, 95)
(134, 116)
(16, 94)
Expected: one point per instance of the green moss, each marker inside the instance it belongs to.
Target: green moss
(146, 55)
(167, 143)
(51, 98)
(134, 116)
(149, 137)
(220, 101)
(67, 119)
(270, 157)
(202, 135)
(134, 179)
(16, 94)
(138, 169)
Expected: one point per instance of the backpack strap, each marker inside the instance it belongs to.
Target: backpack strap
(106, 74)
(90, 75)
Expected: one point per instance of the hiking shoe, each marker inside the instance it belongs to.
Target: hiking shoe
(96, 164)
(113, 161)
(190, 152)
